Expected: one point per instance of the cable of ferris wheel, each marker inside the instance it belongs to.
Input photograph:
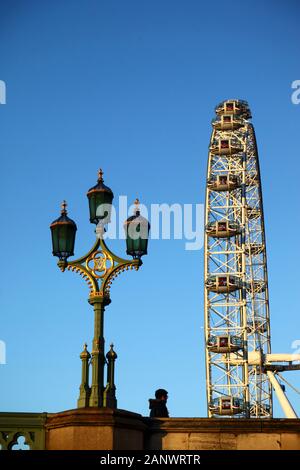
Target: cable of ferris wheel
(290, 385)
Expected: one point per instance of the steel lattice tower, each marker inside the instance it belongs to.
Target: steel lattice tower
(237, 324)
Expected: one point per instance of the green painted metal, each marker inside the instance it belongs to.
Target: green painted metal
(100, 200)
(109, 397)
(99, 267)
(98, 358)
(29, 425)
(85, 391)
(137, 232)
(63, 231)
(99, 285)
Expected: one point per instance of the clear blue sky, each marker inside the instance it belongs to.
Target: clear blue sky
(131, 86)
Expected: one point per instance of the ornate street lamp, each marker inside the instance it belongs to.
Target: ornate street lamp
(63, 231)
(99, 267)
(137, 231)
(100, 200)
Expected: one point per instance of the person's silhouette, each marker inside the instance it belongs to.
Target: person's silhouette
(158, 408)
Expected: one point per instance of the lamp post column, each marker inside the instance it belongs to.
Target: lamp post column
(83, 400)
(109, 396)
(98, 357)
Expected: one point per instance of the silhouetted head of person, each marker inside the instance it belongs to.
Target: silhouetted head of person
(161, 394)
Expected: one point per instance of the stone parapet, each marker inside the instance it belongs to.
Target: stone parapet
(95, 429)
(110, 429)
(223, 434)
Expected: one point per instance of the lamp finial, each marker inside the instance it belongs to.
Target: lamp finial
(100, 175)
(64, 207)
(137, 205)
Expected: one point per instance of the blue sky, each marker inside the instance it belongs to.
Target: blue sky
(131, 86)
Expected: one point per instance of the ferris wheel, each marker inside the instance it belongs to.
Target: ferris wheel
(241, 372)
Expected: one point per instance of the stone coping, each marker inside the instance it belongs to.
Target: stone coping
(23, 419)
(96, 417)
(121, 418)
(223, 425)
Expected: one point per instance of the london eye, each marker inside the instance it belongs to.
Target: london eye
(241, 371)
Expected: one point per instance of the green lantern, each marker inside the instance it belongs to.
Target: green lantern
(63, 231)
(100, 200)
(137, 232)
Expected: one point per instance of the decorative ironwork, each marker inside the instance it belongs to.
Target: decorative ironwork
(99, 267)
(29, 426)
(97, 264)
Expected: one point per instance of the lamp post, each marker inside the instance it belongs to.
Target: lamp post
(99, 267)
